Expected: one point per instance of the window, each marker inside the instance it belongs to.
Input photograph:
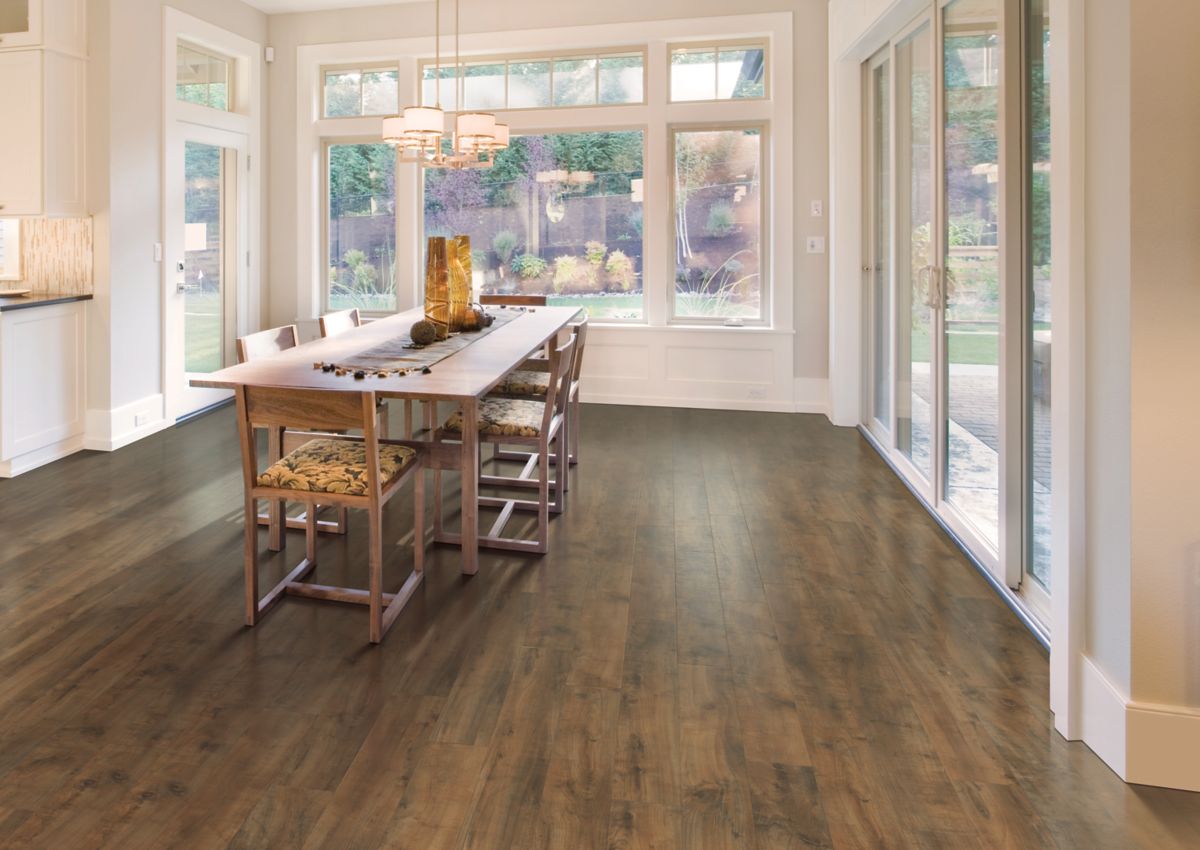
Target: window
(717, 212)
(361, 226)
(203, 77)
(533, 83)
(10, 249)
(358, 91)
(718, 72)
(558, 214)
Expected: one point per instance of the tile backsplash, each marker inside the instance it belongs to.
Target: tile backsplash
(56, 255)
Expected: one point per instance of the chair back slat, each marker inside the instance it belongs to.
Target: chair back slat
(558, 390)
(333, 324)
(313, 410)
(580, 340)
(266, 343)
(514, 300)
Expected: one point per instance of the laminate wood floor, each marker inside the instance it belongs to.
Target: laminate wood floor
(747, 634)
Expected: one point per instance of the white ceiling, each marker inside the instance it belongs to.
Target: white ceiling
(279, 7)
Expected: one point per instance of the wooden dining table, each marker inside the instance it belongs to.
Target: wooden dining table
(462, 378)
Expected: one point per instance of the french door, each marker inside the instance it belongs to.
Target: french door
(206, 254)
(950, 294)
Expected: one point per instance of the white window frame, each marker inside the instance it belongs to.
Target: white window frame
(361, 68)
(10, 234)
(549, 57)
(716, 47)
(764, 253)
(231, 82)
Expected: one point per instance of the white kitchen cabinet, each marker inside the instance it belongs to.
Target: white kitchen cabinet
(42, 146)
(55, 24)
(42, 384)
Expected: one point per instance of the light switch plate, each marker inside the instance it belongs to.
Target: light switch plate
(818, 209)
(816, 244)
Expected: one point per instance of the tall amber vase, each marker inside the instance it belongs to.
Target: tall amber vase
(459, 249)
(437, 285)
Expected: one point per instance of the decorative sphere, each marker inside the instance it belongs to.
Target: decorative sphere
(423, 332)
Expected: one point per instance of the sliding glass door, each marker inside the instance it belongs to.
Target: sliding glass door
(956, 275)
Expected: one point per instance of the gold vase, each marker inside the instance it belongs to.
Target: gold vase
(437, 285)
(459, 250)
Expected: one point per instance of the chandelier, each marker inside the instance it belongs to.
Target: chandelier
(418, 132)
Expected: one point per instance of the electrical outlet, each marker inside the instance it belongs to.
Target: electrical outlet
(816, 244)
(140, 419)
(757, 392)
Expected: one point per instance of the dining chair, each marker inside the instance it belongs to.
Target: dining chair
(256, 346)
(537, 424)
(532, 380)
(330, 468)
(333, 324)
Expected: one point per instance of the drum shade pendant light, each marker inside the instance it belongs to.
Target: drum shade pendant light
(418, 132)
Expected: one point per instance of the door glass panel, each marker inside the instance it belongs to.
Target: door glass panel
(971, 51)
(1038, 381)
(914, 227)
(204, 257)
(14, 16)
(881, 301)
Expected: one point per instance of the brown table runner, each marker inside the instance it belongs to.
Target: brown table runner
(400, 355)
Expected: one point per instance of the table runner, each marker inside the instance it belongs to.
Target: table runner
(400, 355)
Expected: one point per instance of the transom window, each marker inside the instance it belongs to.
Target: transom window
(349, 92)
(587, 79)
(203, 77)
(726, 71)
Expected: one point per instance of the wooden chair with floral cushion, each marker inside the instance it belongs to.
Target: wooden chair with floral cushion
(332, 324)
(539, 424)
(256, 346)
(532, 381)
(328, 469)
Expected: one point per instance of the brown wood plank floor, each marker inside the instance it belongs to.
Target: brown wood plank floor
(746, 635)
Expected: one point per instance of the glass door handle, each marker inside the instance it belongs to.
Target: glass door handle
(181, 288)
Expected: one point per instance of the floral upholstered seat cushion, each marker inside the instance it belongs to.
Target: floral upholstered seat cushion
(504, 417)
(525, 382)
(334, 466)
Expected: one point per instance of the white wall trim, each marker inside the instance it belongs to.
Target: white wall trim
(109, 430)
(1102, 716)
(47, 454)
(811, 395)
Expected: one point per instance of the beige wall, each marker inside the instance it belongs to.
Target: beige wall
(1165, 348)
(125, 191)
(287, 32)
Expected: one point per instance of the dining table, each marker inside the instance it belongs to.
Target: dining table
(463, 378)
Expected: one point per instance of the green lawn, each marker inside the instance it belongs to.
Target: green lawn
(966, 347)
(202, 332)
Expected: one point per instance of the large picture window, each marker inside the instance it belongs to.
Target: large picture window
(360, 235)
(717, 211)
(557, 215)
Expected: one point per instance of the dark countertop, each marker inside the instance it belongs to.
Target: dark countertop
(38, 299)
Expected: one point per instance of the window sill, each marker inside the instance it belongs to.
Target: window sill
(764, 330)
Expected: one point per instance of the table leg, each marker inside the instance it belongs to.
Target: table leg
(277, 510)
(470, 488)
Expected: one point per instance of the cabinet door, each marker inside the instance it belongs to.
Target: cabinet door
(20, 23)
(65, 192)
(21, 141)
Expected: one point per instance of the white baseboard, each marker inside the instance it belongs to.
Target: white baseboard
(1143, 743)
(1163, 745)
(1103, 716)
(812, 395)
(109, 430)
(766, 405)
(47, 454)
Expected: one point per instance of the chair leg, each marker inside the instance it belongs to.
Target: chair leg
(276, 509)
(419, 520)
(573, 429)
(343, 519)
(561, 470)
(310, 533)
(543, 536)
(408, 419)
(251, 565)
(437, 503)
(375, 568)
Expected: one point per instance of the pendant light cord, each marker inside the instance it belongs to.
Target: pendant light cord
(437, 50)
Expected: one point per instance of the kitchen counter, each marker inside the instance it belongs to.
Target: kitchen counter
(39, 299)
